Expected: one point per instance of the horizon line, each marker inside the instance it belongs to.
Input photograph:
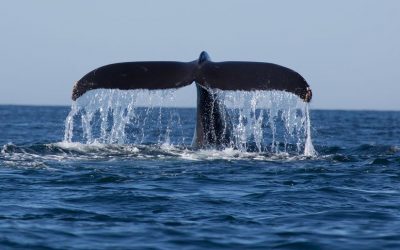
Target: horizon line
(194, 107)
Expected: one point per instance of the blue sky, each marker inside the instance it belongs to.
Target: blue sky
(347, 50)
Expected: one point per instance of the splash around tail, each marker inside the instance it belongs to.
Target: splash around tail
(264, 122)
(216, 126)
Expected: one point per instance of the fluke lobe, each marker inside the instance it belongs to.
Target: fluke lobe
(213, 126)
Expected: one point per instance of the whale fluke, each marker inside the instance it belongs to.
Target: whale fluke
(136, 75)
(247, 76)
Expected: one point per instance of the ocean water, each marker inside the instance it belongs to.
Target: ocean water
(97, 186)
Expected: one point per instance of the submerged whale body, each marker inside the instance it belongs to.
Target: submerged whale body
(213, 125)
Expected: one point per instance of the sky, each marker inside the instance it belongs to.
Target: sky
(348, 51)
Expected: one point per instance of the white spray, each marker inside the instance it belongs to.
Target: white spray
(263, 121)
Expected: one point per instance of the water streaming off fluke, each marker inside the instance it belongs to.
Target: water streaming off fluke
(262, 121)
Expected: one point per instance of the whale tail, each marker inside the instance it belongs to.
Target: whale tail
(213, 126)
(235, 75)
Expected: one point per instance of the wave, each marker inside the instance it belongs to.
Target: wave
(45, 155)
(74, 151)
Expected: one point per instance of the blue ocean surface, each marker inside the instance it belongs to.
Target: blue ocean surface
(156, 192)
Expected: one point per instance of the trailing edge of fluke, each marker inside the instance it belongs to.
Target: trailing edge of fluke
(230, 75)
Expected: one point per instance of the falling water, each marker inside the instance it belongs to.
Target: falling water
(273, 121)
(308, 147)
(119, 117)
(263, 121)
